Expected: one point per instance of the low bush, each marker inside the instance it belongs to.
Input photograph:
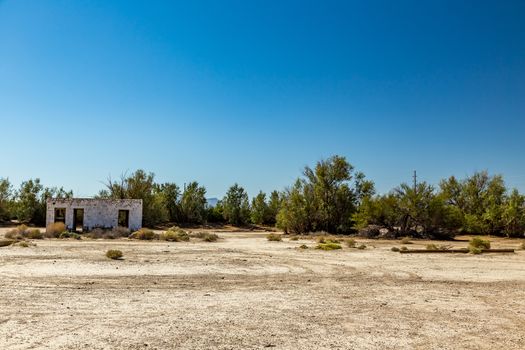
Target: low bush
(303, 246)
(55, 229)
(362, 246)
(274, 237)
(205, 236)
(327, 239)
(175, 235)
(144, 234)
(329, 246)
(478, 242)
(294, 238)
(34, 234)
(23, 244)
(404, 248)
(394, 249)
(351, 243)
(432, 246)
(114, 254)
(475, 250)
(406, 240)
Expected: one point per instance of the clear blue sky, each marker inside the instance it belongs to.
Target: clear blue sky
(252, 91)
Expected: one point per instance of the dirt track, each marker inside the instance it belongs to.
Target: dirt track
(247, 293)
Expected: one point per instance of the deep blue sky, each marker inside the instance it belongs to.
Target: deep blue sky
(252, 91)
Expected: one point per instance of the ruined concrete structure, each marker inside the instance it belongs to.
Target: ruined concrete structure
(86, 213)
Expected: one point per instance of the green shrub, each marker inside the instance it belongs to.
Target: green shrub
(23, 244)
(329, 246)
(114, 254)
(432, 246)
(274, 237)
(351, 243)
(362, 246)
(144, 234)
(394, 249)
(406, 240)
(475, 250)
(478, 242)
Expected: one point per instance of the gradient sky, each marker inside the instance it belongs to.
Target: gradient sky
(252, 91)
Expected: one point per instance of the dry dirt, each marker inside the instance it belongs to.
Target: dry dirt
(244, 292)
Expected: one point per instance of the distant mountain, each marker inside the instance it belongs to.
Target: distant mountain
(212, 202)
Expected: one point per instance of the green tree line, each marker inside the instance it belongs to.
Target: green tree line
(332, 196)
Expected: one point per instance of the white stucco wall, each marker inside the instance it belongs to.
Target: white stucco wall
(97, 212)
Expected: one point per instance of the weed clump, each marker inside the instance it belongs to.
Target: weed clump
(55, 229)
(303, 246)
(206, 236)
(22, 232)
(432, 246)
(329, 246)
(362, 246)
(144, 234)
(114, 254)
(65, 235)
(175, 234)
(23, 244)
(273, 237)
(478, 242)
(404, 249)
(394, 249)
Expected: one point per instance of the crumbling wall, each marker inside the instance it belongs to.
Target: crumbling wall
(97, 212)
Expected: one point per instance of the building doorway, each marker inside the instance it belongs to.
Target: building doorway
(123, 218)
(78, 220)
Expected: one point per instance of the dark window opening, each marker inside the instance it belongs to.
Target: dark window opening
(60, 215)
(78, 220)
(123, 218)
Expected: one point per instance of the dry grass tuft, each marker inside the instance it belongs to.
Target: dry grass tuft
(273, 237)
(144, 234)
(54, 230)
(329, 246)
(114, 254)
(406, 240)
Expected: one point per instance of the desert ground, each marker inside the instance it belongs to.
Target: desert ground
(244, 292)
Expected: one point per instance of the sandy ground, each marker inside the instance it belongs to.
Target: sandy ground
(244, 292)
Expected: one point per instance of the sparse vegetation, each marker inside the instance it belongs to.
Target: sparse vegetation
(403, 248)
(432, 246)
(394, 249)
(114, 254)
(65, 235)
(478, 242)
(144, 234)
(55, 229)
(273, 237)
(362, 246)
(175, 234)
(328, 245)
(303, 246)
(23, 231)
(23, 244)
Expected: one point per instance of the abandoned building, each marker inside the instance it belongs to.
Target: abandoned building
(84, 214)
